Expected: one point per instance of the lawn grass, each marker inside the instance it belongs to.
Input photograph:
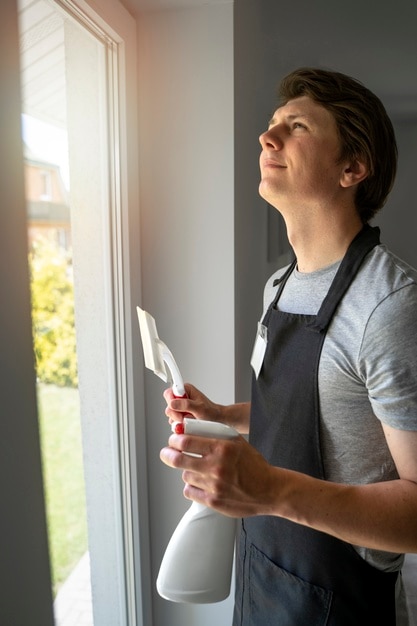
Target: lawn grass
(60, 432)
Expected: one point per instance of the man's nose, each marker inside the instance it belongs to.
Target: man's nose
(271, 138)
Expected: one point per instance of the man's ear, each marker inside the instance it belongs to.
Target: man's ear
(354, 173)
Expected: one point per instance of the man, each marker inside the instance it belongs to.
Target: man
(327, 485)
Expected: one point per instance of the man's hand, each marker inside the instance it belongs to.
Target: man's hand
(230, 476)
(197, 405)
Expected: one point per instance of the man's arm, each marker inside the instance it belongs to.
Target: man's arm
(382, 516)
(235, 479)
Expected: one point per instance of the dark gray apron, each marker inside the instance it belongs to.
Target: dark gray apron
(288, 574)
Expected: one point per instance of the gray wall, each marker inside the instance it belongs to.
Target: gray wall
(374, 42)
(25, 591)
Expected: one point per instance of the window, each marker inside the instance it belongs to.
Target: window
(75, 138)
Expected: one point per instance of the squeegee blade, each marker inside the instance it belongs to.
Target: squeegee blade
(151, 345)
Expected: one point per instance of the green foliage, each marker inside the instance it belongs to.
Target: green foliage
(60, 430)
(53, 315)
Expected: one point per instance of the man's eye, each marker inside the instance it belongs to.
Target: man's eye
(298, 125)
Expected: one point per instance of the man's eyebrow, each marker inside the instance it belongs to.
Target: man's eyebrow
(289, 118)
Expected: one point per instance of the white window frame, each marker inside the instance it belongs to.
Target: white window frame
(117, 24)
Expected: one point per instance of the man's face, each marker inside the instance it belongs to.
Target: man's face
(299, 162)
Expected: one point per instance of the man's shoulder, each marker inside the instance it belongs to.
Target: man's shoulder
(383, 273)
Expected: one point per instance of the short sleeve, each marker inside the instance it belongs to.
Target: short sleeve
(388, 359)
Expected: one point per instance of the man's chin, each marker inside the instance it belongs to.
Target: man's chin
(265, 191)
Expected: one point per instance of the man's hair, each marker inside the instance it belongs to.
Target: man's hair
(365, 130)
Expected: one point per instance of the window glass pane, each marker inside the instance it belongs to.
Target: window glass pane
(67, 84)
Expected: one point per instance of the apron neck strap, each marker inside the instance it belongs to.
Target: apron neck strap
(361, 245)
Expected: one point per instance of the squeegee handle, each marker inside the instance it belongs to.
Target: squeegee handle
(178, 393)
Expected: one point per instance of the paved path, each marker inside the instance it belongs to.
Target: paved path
(73, 606)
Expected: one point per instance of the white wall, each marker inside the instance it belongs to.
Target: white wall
(186, 186)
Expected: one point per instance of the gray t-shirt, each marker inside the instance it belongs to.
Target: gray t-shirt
(368, 367)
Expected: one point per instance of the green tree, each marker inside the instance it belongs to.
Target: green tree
(53, 315)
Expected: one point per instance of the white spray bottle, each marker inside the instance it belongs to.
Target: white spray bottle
(197, 564)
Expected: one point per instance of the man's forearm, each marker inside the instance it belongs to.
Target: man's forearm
(381, 516)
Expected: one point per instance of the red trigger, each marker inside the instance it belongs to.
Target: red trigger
(179, 428)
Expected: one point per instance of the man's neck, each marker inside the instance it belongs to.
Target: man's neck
(319, 245)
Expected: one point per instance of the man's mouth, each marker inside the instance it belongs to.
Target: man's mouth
(272, 163)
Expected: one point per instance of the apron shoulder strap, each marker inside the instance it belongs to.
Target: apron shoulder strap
(363, 243)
